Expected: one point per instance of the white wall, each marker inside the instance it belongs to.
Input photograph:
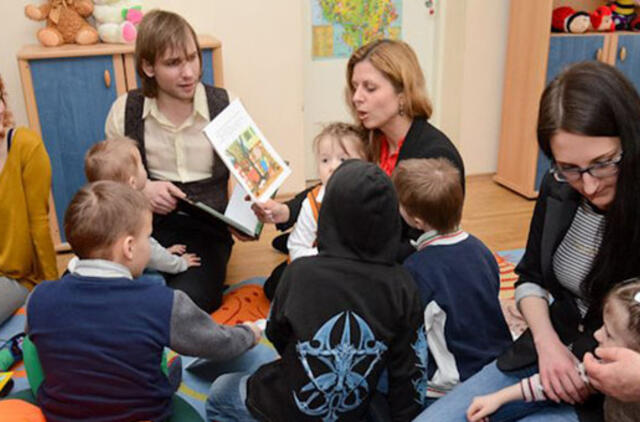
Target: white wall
(17, 31)
(267, 62)
(486, 31)
(471, 51)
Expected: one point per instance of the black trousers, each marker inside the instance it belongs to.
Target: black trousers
(211, 241)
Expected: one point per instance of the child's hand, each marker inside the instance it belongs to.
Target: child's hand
(481, 407)
(257, 331)
(192, 260)
(177, 249)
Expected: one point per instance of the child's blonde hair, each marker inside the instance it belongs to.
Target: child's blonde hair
(111, 159)
(339, 132)
(430, 189)
(99, 214)
(628, 294)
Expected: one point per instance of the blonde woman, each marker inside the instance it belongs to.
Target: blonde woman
(387, 96)
(27, 256)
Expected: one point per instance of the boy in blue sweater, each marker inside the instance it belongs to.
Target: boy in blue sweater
(100, 334)
(457, 276)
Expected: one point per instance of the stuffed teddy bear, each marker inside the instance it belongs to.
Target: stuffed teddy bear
(624, 13)
(565, 19)
(116, 20)
(601, 19)
(65, 22)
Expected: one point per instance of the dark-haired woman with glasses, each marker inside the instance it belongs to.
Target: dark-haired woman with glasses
(584, 238)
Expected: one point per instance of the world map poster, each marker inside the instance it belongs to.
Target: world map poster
(341, 26)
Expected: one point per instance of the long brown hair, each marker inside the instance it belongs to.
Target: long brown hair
(399, 64)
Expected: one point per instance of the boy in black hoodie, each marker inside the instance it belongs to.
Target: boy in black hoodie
(339, 318)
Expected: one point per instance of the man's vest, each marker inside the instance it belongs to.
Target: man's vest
(213, 190)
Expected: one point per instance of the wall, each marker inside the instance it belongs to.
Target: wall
(267, 63)
(487, 24)
(262, 62)
(472, 42)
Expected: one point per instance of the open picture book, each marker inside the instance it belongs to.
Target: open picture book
(257, 168)
(238, 213)
(245, 151)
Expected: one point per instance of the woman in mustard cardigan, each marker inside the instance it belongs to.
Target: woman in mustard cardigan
(26, 250)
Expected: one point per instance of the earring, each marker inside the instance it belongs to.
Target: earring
(401, 109)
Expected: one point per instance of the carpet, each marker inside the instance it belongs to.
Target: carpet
(507, 261)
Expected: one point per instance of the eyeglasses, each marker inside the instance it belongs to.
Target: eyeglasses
(598, 170)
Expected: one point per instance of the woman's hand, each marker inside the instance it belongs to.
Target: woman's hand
(162, 195)
(271, 211)
(557, 366)
(559, 371)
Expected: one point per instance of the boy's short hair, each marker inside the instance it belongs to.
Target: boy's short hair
(430, 189)
(158, 31)
(99, 214)
(340, 131)
(111, 159)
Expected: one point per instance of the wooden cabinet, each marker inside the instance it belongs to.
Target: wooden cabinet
(534, 57)
(625, 54)
(68, 93)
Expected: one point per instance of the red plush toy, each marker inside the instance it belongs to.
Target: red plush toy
(601, 19)
(565, 19)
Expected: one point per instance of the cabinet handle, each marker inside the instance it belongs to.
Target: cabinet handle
(623, 54)
(599, 55)
(107, 79)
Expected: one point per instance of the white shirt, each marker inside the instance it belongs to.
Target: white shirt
(176, 153)
(305, 232)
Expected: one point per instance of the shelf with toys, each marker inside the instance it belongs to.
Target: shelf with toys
(535, 55)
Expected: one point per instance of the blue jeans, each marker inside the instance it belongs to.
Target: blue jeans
(227, 399)
(453, 406)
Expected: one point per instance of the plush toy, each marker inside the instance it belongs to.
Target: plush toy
(116, 20)
(623, 13)
(565, 19)
(65, 22)
(601, 19)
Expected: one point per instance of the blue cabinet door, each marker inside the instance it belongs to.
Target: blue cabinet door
(73, 101)
(564, 51)
(630, 66)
